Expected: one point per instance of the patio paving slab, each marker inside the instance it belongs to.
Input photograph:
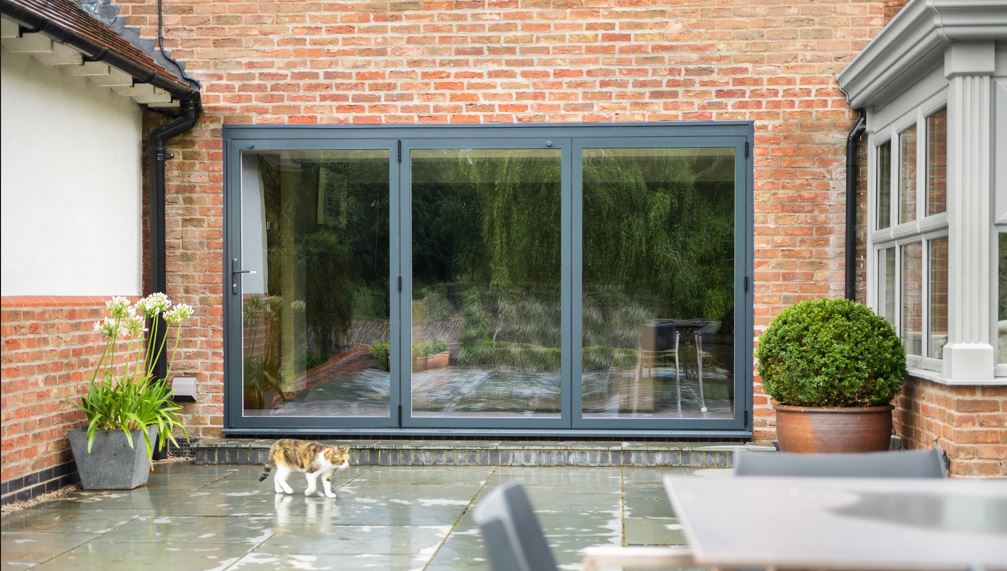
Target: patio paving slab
(384, 517)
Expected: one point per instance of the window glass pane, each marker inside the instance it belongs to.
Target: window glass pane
(937, 162)
(658, 310)
(1002, 325)
(885, 185)
(938, 268)
(912, 298)
(315, 312)
(907, 175)
(886, 284)
(486, 323)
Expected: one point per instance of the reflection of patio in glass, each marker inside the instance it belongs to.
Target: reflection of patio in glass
(511, 392)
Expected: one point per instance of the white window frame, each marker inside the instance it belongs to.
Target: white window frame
(921, 230)
(999, 219)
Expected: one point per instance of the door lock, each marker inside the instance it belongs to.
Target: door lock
(235, 272)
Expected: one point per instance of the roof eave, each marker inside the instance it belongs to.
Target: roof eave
(916, 38)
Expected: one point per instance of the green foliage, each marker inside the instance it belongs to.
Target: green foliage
(123, 393)
(381, 351)
(431, 347)
(523, 356)
(831, 353)
(131, 403)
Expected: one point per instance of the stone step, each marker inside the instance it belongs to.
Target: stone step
(675, 454)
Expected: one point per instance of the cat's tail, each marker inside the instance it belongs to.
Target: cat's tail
(266, 469)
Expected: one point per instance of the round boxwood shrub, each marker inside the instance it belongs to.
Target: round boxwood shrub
(831, 353)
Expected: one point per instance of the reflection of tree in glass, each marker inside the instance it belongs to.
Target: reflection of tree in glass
(327, 244)
(486, 248)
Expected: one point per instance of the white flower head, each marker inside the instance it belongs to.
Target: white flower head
(135, 324)
(109, 327)
(154, 304)
(118, 307)
(298, 305)
(178, 314)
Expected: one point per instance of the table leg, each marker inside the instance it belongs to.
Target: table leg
(678, 376)
(699, 366)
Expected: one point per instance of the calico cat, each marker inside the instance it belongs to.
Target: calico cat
(312, 458)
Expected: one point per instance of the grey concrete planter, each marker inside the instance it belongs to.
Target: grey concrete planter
(111, 464)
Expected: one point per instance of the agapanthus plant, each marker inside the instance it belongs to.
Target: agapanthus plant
(123, 393)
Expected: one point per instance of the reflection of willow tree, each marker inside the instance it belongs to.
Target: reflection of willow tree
(487, 235)
(658, 242)
(327, 245)
(658, 233)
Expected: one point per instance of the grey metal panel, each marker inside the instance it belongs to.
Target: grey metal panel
(742, 268)
(233, 382)
(456, 142)
(517, 432)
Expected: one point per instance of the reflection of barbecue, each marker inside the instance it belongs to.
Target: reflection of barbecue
(659, 340)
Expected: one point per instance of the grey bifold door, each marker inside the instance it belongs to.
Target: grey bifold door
(590, 279)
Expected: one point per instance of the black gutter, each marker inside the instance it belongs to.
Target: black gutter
(851, 205)
(95, 52)
(157, 139)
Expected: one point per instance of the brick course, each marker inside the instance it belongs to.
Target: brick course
(49, 353)
(968, 422)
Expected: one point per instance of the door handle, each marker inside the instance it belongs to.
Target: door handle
(234, 277)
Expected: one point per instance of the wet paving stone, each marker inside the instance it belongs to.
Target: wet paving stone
(24, 549)
(221, 517)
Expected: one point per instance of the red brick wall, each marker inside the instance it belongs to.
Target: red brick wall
(968, 422)
(49, 352)
(503, 61)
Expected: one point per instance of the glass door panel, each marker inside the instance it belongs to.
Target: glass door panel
(659, 283)
(486, 320)
(315, 283)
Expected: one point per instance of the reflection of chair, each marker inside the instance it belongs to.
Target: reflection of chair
(662, 339)
(515, 541)
(903, 464)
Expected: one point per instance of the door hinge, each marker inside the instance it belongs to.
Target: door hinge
(400, 415)
(746, 420)
(400, 283)
(746, 284)
(399, 150)
(747, 149)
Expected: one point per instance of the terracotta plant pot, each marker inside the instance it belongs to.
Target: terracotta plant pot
(806, 430)
(438, 360)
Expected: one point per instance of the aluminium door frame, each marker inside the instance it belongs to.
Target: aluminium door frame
(320, 137)
(562, 422)
(742, 317)
(234, 417)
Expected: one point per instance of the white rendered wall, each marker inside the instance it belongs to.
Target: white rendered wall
(70, 184)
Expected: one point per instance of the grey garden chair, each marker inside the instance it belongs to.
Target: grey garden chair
(515, 541)
(899, 464)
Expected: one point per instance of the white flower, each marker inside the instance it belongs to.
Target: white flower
(109, 327)
(154, 304)
(118, 307)
(178, 314)
(134, 324)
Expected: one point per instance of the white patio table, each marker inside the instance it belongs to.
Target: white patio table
(842, 523)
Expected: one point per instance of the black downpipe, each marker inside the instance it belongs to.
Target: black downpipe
(157, 139)
(851, 205)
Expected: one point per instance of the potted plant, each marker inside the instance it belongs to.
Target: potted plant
(431, 354)
(124, 403)
(831, 366)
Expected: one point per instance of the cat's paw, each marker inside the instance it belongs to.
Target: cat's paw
(330, 495)
(309, 492)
